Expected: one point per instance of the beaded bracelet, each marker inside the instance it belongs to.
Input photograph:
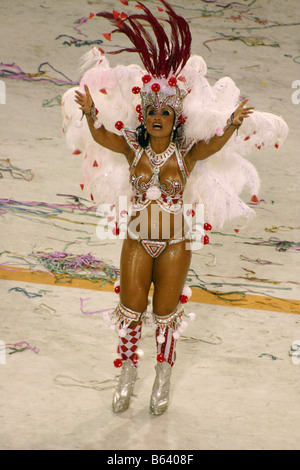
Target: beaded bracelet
(93, 114)
(220, 131)
(230, 123)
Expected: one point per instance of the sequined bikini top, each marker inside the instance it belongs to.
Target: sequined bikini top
(168, 197)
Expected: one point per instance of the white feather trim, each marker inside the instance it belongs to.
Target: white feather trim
(216, 182)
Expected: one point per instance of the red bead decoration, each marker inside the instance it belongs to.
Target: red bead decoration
(155, 87)
(118, 363)
(254, 198)
(172, 81)
(190, 212)
(135, 90)
(140, 118)
(135, 360)
(207, 227)
(184, 299)
(182, 119)
(276, 146)
(146, 79)
(117, 289)
(205, 240)
(160, 358)
(138, 108)
(116, 230)
(119, 125)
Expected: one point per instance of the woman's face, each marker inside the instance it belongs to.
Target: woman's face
(159, 122)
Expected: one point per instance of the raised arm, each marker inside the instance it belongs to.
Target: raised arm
(110, 140)
(202, 150)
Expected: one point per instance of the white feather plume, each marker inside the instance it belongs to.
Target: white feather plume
(216, 182)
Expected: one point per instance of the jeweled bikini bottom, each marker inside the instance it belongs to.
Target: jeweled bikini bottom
(154, 247)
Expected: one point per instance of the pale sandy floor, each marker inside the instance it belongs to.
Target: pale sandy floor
(234, 385)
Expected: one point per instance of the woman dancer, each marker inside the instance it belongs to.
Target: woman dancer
(142, 265)
(161, 155)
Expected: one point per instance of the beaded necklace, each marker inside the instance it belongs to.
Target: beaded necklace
(159, 159)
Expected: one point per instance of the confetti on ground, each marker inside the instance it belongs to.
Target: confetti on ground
(71, 41)
(62, 266)
(15, 172)
(280, 245)
(76, 208)
(20, 347)
(70, 266)
(30, 295)
(105, 310)
(281, 227)
(247, 40)
(66, 381)
(43, 308)
(56, 101)
(274, 358)
(14, 71)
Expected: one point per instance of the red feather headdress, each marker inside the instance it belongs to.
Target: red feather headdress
(169, 55)
(163, 57)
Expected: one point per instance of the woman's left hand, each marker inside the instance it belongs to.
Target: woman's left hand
(241, 113)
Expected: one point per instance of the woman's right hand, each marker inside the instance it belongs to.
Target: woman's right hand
(85, 101)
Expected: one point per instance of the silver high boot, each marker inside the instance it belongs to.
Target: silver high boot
(160, 392)
(124, 390)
